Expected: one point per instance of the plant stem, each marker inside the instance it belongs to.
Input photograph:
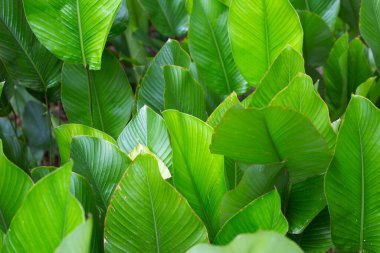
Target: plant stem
(51, 150)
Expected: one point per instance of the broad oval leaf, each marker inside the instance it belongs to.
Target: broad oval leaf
(257, 180)
(169, 17)
(27, 62)
(301, 96)
(354, 172)
(48, 209)
(260, 242)
(370, 26)
(286, 66)
(147, 214)
(318, 38)
(14, 186)
(262, 136)
(75, 31)
(263, 213)
(197, 174)
(78, 241)
(149, 129)
(259, 31)
(219, 112)
(100, 99)
(327, 9)
(211, 49)
(346, 68)
(65, 134)
(101, 163)
(183, 92)
(152, 88)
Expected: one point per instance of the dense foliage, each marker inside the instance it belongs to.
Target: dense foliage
(189, 126)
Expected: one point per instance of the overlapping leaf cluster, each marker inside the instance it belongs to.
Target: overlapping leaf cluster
(189, 126)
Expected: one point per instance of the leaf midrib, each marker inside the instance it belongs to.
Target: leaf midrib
(81, 35)
(218, 51)
(362, 207)
(26, 53)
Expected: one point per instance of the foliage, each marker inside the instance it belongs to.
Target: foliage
(189, 126)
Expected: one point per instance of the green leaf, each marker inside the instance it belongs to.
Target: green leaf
(354, 173)
(301, 96)
(40, 172)
(198, 174)
(263, 213)
(14, 186)
(147, 214)
(219, 112)
(327, 9)
(74, 31)
(78, 241)
(263, 136)
(65, 133)
(370, 26)
(260, 242)
(318, 38)
(183, 92)
(48, 210)
(349, 13)
(256, 181)
(306, 201)
(211, 49)
(100, 99)
(259, 31)
(286, 66)
(152, 88)
(27, 62)
(147, 128)
(1, 87)
(369, 89)
(316, 238)
(169, 17)
(346, 68)
(121, 20)
(101, 163)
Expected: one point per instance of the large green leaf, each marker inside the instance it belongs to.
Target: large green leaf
(147, 128)
(260, 242)
(259, 31)
(169, 17)
(100, 99)
(27, 62)
(316, 238)
(301, 96)
(327, 9)
(75, 31)
(183, 92)
(263, 213)
(48, 211)
(211, 49)
(370, 26)
(101, 163)
(77, 241)
(352, 181)
(219, 112)
(256, 181)
(306, 201)
(286, 66)
(147, 214)
(270, 135)
(14, 186)
(65, 134)
(318, 38)
(346, 68)
(349, 13)
(198, 174)
(152, 88)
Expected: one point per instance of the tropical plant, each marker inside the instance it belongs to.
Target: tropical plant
(199, 126)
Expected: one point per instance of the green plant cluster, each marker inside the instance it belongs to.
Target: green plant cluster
(199, 126)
